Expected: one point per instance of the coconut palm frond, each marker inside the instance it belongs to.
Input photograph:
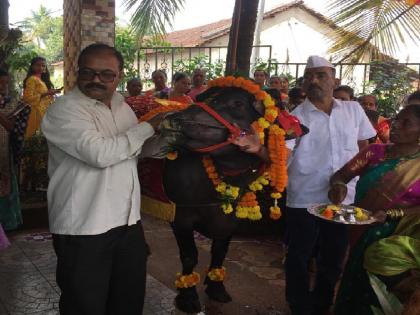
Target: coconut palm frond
(152, 16)
(372, 27)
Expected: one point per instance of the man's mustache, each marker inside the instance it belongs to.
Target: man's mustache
(313, 86)
(95, 86)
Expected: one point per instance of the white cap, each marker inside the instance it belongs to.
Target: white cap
(317, 62)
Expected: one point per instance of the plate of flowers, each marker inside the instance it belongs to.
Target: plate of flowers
(343, 214)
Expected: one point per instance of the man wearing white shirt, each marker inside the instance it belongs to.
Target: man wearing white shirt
(94, 140)
(336, 128)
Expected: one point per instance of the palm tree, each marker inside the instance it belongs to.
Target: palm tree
(373, 27)
(152, 16)
(36, 26)
(241, 37)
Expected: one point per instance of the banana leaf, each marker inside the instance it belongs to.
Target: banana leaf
(389, 302)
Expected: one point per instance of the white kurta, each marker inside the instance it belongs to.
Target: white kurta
(330, 143)
(92, 164)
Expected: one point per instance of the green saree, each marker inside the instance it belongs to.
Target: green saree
(387, 249)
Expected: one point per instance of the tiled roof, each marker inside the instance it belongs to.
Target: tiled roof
(199, 36)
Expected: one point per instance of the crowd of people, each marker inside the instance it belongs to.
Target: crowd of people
(95, 140)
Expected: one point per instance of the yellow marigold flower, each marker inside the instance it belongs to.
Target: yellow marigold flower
(262, 180)
(271, 112)
(263, 123)
(268, 102)
(172, 155)
(254, 213)
(234, 191)
(275, 213)
(276, 195)
(221, 188)
(334, 207)
(241, 212)
(227, 208)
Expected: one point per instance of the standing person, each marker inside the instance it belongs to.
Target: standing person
(181, 84)
(344, 93)
(370, 102)
(414, 98)
(260, 77)
(198, 79)
(38, 92)
(296, 97)
(335, 127)
(13, 120)
(134, 87)
(389, 186)
(159, 79)
(94, 139)
(280, 83)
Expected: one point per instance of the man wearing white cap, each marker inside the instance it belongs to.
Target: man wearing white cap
(336, 128)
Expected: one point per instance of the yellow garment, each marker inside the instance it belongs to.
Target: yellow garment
(34, 88)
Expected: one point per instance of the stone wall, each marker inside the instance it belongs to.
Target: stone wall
(85, 22)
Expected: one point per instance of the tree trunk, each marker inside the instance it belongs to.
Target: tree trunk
(4, 19)
(241, 37)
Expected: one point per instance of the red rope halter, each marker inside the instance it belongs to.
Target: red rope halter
(234, 131)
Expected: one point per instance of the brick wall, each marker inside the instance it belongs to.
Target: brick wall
(85, 22)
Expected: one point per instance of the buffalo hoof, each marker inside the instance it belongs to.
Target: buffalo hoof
(187, 300)
(217, 291)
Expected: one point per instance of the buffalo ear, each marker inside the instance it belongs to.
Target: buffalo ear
(259, 107)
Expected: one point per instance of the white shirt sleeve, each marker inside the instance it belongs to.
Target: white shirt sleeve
(366, 130)
(72, 129)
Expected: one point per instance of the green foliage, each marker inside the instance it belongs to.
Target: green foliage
(126, 43)
(213, 70)
(370, 27)
(155, 41)
(151, 17)
(46, 33)
(390, 83)
(19, 61)
(42, 36)
(388, 301)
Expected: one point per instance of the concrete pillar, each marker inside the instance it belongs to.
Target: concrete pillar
(85, 22)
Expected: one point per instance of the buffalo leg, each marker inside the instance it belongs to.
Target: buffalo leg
(219, 248)
(216, 289)
(187, 299)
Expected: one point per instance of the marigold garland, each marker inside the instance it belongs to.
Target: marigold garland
(166, 106)
(277, 173)
(163, 109)
(217, 274)
(187, 281)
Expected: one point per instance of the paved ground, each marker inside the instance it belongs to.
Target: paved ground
(255, 275)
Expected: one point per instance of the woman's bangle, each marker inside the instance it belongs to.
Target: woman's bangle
(394, 214)
(338, 182)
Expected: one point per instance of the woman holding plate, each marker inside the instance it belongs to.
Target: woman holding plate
(389, 186)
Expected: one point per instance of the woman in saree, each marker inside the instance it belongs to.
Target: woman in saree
(181, 84)
(389, 186)
(159, 79)
(13, 119)
(38, 92)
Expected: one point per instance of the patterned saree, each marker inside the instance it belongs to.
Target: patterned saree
(387, 249)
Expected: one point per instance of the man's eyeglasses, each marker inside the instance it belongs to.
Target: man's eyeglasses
(106, 76)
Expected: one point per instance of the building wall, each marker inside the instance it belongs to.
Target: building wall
(85, 22)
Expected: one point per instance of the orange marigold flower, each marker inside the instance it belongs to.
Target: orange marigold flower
(261, 95)
(238, 82)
